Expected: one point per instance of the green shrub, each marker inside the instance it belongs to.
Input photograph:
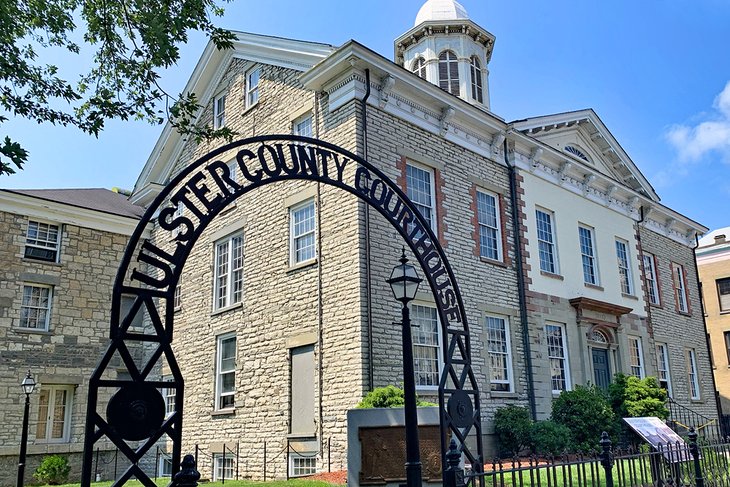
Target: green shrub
(586, 413)
(549, 438)
(53, 470)
(512, 426)
(388, 397)
(632, 397)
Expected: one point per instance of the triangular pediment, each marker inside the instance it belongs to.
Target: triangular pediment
(583, 137)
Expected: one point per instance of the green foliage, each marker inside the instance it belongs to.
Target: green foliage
(632, 397)
(388, 397)
(586, 412)
(53, 470)
(512, 426)
(129, 43)
(549, 438)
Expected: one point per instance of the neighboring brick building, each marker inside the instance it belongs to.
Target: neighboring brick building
(59, 252)
(284, 319)
(713, 262)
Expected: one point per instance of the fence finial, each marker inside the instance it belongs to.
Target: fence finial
(188, 475)
(606, 458)
(454, 475)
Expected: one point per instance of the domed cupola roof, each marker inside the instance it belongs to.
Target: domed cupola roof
(437, 10)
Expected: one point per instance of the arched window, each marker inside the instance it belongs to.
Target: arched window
(449, 72)
(576, 152)
(419, 67)
(599, 336)
(476, 80)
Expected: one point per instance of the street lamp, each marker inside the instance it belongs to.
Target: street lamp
(404, 283)
(28, 386)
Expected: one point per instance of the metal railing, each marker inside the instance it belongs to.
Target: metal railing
(681, 419)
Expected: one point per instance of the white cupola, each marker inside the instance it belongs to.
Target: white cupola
(449, 50)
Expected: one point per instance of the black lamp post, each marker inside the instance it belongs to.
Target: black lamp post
(404, 282)
(28, 386)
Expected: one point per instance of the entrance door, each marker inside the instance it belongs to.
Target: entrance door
(601, 368)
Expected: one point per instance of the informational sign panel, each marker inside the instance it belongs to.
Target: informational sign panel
(661, 437)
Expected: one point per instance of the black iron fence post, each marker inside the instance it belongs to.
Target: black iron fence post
(606, 458)
(264, 461)
(188, 475)
(454, 475)
(695, 451)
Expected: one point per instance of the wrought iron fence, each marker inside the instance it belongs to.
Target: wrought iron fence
(681, 419)
(681, 464)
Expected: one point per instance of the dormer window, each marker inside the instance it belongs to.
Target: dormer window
(419, 67)
(477, 93)
(576, 152)
(449, 72)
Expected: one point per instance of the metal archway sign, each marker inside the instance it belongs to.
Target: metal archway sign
(205, 188)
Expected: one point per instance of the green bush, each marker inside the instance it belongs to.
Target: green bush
(53, 470)
(632, 397)
(549, 438)
(388, 397)
(585, 411)
(512, 426)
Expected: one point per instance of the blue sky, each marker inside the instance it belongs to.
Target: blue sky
(653, 70)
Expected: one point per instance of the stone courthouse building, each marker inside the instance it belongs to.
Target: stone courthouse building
(59, 253)
(570, 267)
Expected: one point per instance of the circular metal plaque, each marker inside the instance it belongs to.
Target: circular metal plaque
(136, 411)
(461, 409)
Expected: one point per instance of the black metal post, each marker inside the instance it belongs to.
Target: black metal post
(413, 455)
(23, 442)
(606, 458)
(695, 451)
(264, 461)
(454, 475)
(188, 475)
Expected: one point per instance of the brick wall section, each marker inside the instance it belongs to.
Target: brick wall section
(66, 354)
(669, 325)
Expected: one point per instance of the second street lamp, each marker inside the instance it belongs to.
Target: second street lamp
(404, 283)
(28, 386)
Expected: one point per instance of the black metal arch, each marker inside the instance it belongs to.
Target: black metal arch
(205, 188)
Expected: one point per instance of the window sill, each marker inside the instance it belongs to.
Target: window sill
(224, 412)
(657, 306)
(302, 265)
(724, 312)
(250, 107)
(177, 310)
(226, 309)
(33, 331)
(552, 276)
(684, 313)
(41, 261)
(301, 436)
(503, 395)
(593, 286)
(630, 296)
(499, 263)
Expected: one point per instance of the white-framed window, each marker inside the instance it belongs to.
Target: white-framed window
(490, 226)
(302, 231)
(624, 269)
(303, 126)
(419, 67)
(179, 211)
(228, 279)
(223, 466)
(421, 191)
(177, 297)
(723, 293)
(164, 466)
(476, 80)
(225, 372)
(680, 288)
(426, 346)
(301, 465)
(252, 87)
(169, 395)
(500, 354)
(42, 241)
(558, 356)
(692, 378)
(35, 307)
(588, 255)
(449, 72)
(636, 357)
(650, 275)
(662, 360)
(219, 112)
(546, 242)
(54, 413)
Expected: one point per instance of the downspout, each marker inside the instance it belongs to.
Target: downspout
(521, 287)
(320, 300)
(368, 276)
(718, 403)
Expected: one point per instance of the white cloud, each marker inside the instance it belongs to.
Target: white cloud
(693, 142)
